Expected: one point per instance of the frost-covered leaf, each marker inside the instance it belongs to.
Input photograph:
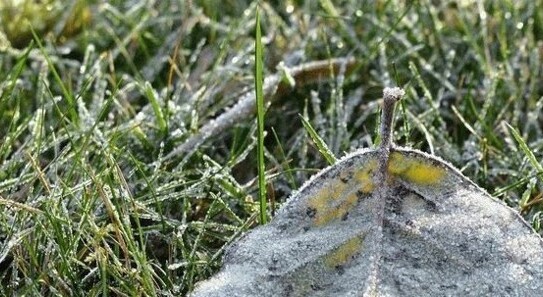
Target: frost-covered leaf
(386, 222)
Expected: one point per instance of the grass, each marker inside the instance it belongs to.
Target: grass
(260, 112)
(90, 202)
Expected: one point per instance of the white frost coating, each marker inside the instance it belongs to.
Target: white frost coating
(394, 92)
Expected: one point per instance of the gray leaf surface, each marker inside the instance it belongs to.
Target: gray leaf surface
(421, 229)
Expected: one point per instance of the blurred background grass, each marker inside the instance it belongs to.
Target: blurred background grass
(99, 94)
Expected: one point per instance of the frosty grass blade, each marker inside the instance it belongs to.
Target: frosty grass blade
(386, 222)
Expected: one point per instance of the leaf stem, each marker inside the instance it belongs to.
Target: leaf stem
(390, 97)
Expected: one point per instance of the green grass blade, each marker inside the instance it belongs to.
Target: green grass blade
(288, 170)
(319, 142)
(525, 149)
(70, 99)
(259, 81)
(160, 118)
(531, 157)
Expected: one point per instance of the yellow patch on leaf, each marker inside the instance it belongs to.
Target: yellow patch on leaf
(415, 170)
(365, 178)
(338, 198)
(345, 252)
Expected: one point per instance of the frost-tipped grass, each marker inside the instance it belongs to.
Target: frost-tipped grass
(177, 213)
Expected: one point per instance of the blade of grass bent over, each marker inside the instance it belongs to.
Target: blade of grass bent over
(529, 154)
(525, 149)
(319, 142)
